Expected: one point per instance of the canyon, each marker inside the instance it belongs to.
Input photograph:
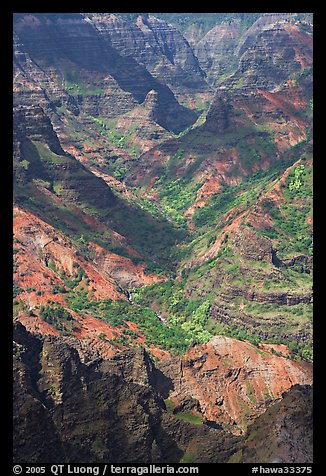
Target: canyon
(99, 410)
(163, 237)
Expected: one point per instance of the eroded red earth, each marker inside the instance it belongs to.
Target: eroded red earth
(42, 254)
(233, 380)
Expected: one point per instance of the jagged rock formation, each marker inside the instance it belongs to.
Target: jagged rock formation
(93, 77)
(31, 123)
(158, 46)
(52, 206)
(235, 122)
(232, 381)
(223, 209)
(289, 46)
(93, 410)
(229, 44)
(50, 163)
(284, 433)
(265, 22)
(97, 410)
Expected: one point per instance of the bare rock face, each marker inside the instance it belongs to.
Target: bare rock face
(32, 126)
(233, 381)
(253, 247)
(98, 414)
(220, 50)
(31, 122)
(70, 405)
(290, 49)
(77, 66)
(155, 44)
(92, 410)
(75, 401)
(28, 409)
(262, 23)
(219, 115)
(216, 50)
(284, 433)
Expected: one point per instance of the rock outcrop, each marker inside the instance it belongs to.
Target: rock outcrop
(72, 406)
(158, 46)
(118, 94)
(290, 48)
(93, 77)
(264, 22)
(232, 381)
(90, 410)
(284, 433)
(39, 155)
(216, 50)
(230, 42)
(31, 123)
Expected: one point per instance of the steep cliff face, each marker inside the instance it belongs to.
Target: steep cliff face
(39, 155)
(289, 46)
(231, 41)
(158, 46)
(70, 388)
(31, 123)
(231, 381)
(61, 383)
(242, 184)
(271, 438)
(67, 252)
(60, 387)
(93, 77)
(217, 220)
(244, 131)
(43, 169)
(216, 50)
(259, 265)
(49, 269)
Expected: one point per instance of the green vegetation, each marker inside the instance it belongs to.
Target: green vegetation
(292, 229)
(251, 153)
(171, 338)
(73, 281)
(16, 289)
(296, 185)
(18, 306)
(250, 394)
(238, 196)
(176, 194)
(188, 417)
(55, 315)
(159, 230)
(136, 224)
(188, 458)
(74, 83)
(118, 138)
(299, 311)
(24, 164)
(176, 197)
(169, 405)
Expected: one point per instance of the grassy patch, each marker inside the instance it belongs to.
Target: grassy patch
(188, 417)
(250, 393)
(169, 405)
(188, 458)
